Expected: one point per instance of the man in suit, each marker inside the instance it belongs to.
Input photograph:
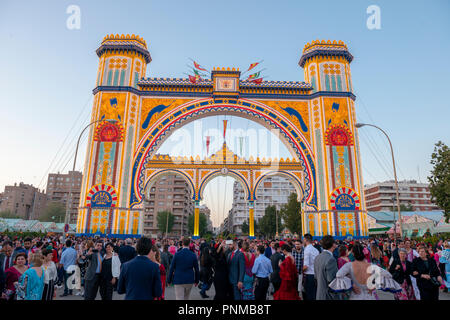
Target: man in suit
(127, 252)
(325, 268)
(275, 260)
(6, 259)
(236, 267)
(184, 271)
(93, 270)
(270, 249)
(140, 278)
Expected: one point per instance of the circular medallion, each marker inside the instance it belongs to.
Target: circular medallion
(338, 135)
(344, 198)
(101, 196)
(109, 132)
(224, 171)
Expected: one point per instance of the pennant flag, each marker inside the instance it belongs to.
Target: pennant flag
(208, 141)
(252, 66)
(196, 72)
(241, 142)
(254, 75)
(199, 67)
(192, 79)
(257, 81)
(224, 127)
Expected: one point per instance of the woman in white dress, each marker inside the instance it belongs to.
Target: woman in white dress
(363, 278)
(50, 275)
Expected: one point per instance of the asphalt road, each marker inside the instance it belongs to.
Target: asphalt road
(195, 295)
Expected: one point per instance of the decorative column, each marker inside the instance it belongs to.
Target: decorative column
(251, 224)
(196, 220)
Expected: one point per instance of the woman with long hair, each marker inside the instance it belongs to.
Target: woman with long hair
(156, 258)
(289, 277)
(31, 283)
(206, 265)
(376, 255)
(110, 272)
(222, 285)
(247, 288)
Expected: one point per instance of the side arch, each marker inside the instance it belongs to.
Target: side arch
(165, 172)
(217, 173)
(292, 179)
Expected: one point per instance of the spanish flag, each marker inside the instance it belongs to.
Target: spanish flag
(192, 79)
(257, 81)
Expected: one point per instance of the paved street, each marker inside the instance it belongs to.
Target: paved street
(195, 295)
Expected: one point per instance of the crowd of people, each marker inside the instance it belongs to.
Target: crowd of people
(239, 269)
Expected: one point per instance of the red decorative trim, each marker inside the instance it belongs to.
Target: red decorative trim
(338, 135)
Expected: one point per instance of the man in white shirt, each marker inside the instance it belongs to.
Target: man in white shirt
(310, 254)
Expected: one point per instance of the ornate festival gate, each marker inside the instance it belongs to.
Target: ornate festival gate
(314, 119)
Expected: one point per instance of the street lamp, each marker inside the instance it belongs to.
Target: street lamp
(359, 125)
(68, 207)
(276, 223)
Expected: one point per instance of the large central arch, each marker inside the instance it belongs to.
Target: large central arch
(263, 114)
(315, 119)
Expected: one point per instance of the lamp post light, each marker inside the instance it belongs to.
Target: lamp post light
(68, 203)
(359, 125)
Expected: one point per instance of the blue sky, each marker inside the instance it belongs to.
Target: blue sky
(400, 72)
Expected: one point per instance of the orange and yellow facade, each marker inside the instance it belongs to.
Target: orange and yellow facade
(315, 119)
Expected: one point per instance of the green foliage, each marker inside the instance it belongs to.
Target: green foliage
(7, 214)
(406, 207)
(291, 214)
(202, 224)
(267, 224)
(245, 228)
(433, 240)
(165, 219)
(440, 178)
(53, 209)
(23, 234)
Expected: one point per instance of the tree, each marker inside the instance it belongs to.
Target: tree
(407, 207)
(291, 214)
(202, 224)
(267, 224)
(245, 228)
(7, 214)
(163, 221)
(440, 178)
(53, 212)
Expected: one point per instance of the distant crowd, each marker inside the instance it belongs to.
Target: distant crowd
(239, 269)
